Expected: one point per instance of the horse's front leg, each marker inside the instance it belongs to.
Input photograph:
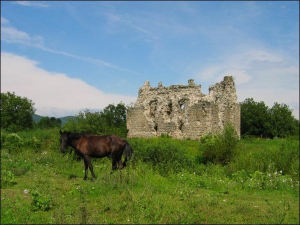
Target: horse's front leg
(88, 163)
(85, 168)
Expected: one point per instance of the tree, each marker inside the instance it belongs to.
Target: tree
(259, 120)
(49, 122)
(255, 118)
(16, 112)
(115, 115)
(112, 120)
(282, 120)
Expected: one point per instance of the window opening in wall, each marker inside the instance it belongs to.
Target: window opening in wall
(180, 125)
(169, 110)
(155, 127)
(181, 103)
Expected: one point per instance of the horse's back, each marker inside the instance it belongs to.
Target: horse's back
(102, 145)
(98, 145)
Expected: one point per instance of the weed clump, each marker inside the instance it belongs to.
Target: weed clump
(218, 148)
(40, 202)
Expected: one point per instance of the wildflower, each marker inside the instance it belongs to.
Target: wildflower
(26, 191)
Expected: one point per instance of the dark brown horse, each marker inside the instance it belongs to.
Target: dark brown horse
(88, 145)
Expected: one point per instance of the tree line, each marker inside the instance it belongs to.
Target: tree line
(257, 119)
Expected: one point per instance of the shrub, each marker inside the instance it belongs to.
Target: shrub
(13, 142)
(218, 148)
(163, 154)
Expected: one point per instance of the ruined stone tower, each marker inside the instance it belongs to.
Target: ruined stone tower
(182, 111)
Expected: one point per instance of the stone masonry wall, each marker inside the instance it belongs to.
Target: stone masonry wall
(182, 111)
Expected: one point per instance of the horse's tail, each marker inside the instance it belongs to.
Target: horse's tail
(127, 152)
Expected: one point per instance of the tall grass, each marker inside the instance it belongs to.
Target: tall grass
(273, 156)
(163, 183)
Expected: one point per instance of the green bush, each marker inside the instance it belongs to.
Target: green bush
(218, 148)
(163, 154)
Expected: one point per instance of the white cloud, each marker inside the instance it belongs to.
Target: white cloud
(259, 74)
(10, 34)
(4, 21)
(30, 3)
(54, 94)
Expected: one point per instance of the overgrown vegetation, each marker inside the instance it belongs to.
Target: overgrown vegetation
(112, 120)
(48, 122)
(218, 148)
(164, 183)
(219, 179)
(163, 154)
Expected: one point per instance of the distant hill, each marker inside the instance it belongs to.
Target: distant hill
(65, 119)
(36, 118)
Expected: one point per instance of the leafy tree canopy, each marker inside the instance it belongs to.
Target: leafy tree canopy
(16, 112)
(49, 122)
(259, 120)
(112, 120)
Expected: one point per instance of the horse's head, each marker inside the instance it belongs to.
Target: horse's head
(64, 140)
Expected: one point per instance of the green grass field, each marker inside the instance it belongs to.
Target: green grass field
(40, 185)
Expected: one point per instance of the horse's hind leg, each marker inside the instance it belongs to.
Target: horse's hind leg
(121, 165)
(114, 164)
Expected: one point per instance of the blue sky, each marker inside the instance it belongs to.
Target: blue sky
(69, 56)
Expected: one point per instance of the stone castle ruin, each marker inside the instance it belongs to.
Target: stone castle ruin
(182, 111)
